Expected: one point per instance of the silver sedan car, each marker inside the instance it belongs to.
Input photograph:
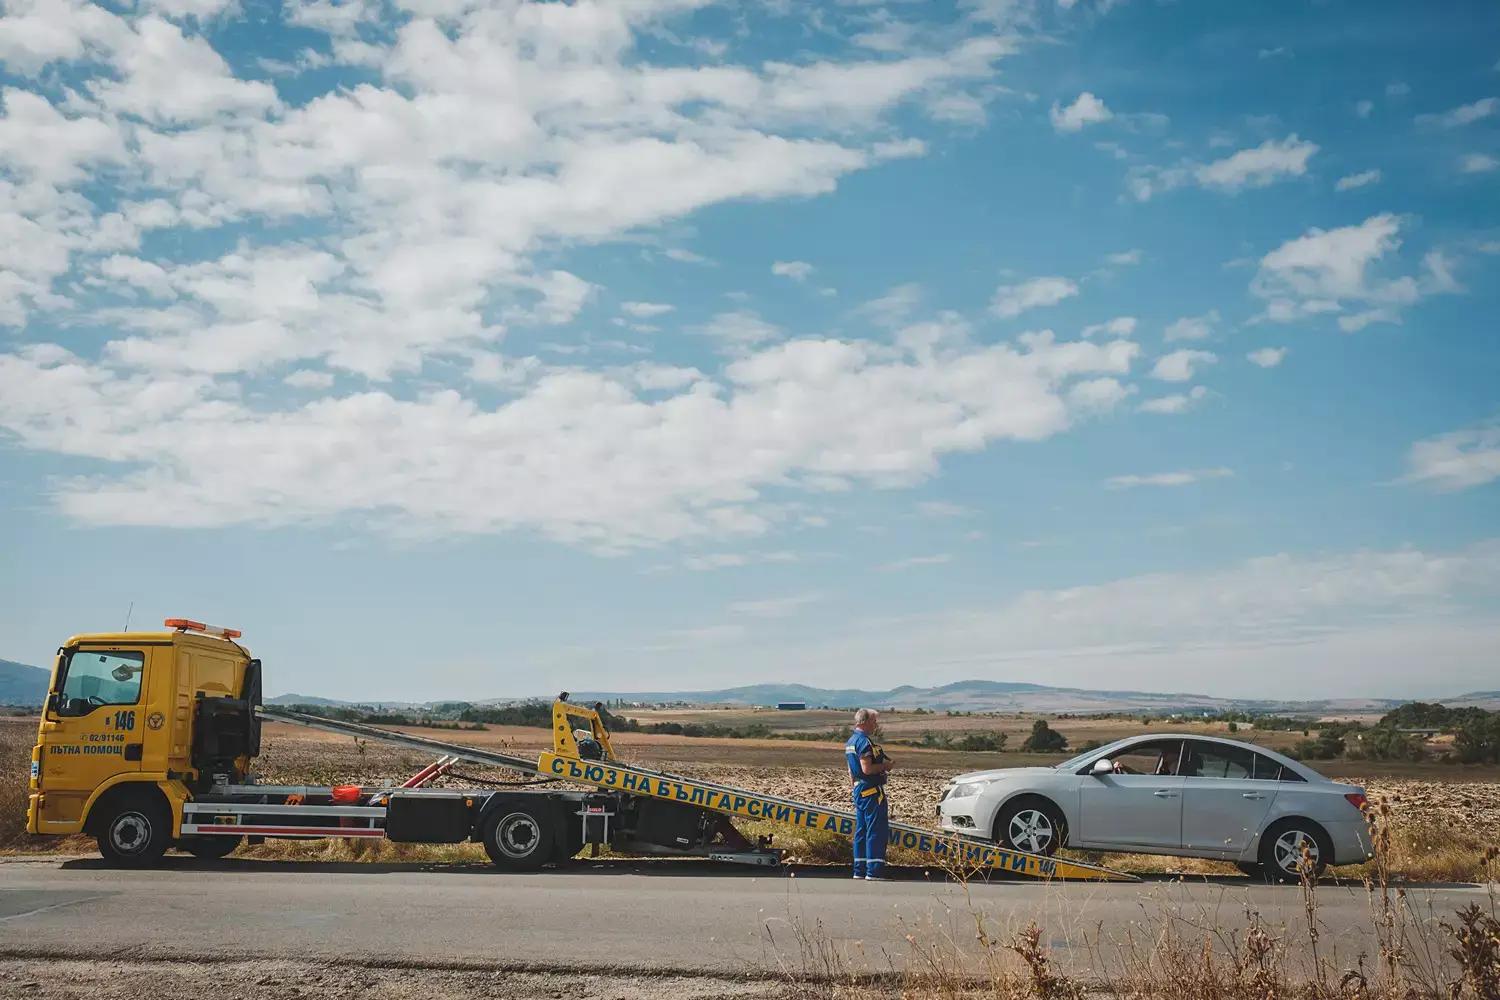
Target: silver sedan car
(1190, 796)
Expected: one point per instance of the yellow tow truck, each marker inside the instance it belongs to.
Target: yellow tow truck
(147, 741)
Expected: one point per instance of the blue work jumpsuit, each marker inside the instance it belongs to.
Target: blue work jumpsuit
(872, 820)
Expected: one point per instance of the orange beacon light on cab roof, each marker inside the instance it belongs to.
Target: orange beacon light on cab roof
(188, 625)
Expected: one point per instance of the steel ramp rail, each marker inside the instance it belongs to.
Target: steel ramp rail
(473, 755)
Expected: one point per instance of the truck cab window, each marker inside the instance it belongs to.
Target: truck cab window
(93, 678)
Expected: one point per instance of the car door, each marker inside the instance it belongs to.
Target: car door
(1139, 804)
(1227, 792)
(91, 727)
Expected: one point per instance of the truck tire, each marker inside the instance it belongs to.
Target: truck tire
(519, 837)
(209, 848)
(135, 830)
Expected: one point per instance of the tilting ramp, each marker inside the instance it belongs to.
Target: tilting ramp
(746, 804)
(464, 752)
(726, 799)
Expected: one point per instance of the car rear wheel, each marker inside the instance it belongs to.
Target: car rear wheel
(1033, 825)
(1292, 847)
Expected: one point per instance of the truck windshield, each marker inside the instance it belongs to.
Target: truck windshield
(100, 677)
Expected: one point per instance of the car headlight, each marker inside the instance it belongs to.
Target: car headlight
(965, 789)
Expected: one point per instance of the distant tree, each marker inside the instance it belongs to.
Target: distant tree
(1044, 739)
(1478, 740)
(1234, 727)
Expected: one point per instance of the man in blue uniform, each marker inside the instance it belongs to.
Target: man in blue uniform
(868, 767)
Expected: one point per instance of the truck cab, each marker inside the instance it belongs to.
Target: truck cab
(136, 722)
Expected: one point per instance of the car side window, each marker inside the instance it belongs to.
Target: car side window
(1217, 760)
(1151, 757)
(1266, 769)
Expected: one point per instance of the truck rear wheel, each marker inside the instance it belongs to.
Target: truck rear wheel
(209, 848)
(135, 831)
(519, 837)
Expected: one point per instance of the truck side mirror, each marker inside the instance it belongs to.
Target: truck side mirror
(1103, 766)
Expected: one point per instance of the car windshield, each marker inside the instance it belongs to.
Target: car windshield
(1104, 751)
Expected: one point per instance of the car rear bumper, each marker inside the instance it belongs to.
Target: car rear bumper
(1351, 841)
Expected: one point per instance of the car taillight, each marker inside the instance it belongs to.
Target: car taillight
(1357, 800)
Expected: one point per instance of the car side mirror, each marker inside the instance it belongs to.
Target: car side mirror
(1102, 766)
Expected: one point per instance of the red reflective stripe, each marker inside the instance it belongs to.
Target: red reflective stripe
(309, 831)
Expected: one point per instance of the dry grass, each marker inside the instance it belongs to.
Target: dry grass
(1407, 951)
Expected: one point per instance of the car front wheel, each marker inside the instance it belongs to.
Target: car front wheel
(1033, 825)
(1292, 847)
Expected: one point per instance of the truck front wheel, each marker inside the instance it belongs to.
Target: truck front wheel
(135, 832)
(518, 838)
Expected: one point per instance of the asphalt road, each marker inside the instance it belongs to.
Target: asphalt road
(648, 917)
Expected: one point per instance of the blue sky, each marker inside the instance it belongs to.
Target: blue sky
(456, 349)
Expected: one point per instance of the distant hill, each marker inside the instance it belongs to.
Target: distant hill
(1476, 699)
(22, 684)
(304, 699)
(994, 696)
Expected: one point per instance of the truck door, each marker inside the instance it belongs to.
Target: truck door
(91, 727)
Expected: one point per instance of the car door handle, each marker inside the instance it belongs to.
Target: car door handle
(1253, 795)
(1165, 793)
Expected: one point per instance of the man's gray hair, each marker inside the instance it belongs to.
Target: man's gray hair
(863, 715)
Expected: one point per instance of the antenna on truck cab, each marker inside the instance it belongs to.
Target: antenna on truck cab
(127, 616)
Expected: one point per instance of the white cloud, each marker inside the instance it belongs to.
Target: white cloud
(308, 379)
(942, 508)
(1466, 114)
(1307, 625)
(1120, 326)
(38, 141)
(1085, 110)
(1267, 357)
(170, 78)
(1397, 89)
(1324, 271)
(1258, 167)
(1181, 366)
(645, 310)
(1012, 300)
(1478, 163)
(1186, 477)
(1125, 257)
(1353, 182)
(1362, 109)
(1174, 404)
(797, 270)
(740, 328)
(1192, 327)
(1458, 460)
(578, 455)
(916, 562)
(774, 607)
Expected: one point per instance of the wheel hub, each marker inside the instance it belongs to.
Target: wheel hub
(1031, 830)
(517, 836)
(1290, 847)
(129, 833)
